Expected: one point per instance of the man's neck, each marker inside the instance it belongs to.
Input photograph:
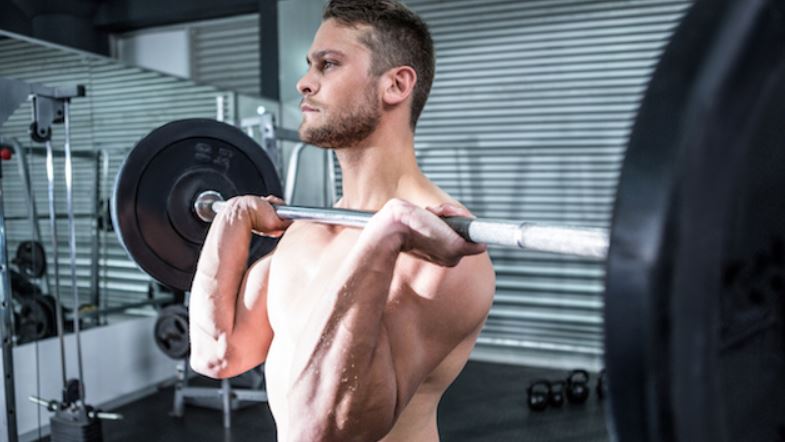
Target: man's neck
(380, 168)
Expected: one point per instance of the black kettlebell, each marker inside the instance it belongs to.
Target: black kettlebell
(556, 398)
(538, 395)
(602, 385)
(577, 386)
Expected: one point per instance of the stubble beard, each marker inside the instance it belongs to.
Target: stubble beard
(348, 127)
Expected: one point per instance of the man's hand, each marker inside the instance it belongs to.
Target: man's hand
(261, 214)
(421, 232)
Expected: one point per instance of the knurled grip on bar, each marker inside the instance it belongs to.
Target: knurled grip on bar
(533, 236)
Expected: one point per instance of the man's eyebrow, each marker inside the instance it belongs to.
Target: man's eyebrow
(322, 54)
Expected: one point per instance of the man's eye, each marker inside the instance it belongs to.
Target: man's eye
(327, 64)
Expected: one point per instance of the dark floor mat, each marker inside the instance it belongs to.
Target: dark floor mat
(487, 402)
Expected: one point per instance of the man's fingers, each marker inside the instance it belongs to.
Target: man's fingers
(271, 234)
(471, 248)
(447, 209)
(266, 220)
(272, 199)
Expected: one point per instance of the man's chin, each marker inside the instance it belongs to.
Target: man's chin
(306, 134)
(304, 131)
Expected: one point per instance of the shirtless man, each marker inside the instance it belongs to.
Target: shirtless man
(361, 330)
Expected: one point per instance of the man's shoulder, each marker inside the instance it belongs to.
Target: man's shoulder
(473, 276)
(469, 286)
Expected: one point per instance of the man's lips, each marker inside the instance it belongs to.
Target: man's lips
(306, 108)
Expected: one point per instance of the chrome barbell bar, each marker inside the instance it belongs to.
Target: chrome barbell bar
(577, 241)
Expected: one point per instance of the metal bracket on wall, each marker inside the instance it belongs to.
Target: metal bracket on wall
(48, 103)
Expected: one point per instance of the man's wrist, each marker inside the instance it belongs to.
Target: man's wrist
(385, 234)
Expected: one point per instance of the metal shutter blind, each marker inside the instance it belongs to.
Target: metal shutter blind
(226, 53)
(528, 118)
(122, 105)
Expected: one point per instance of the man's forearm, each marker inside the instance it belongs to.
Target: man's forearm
(219, 274)
(342, 354)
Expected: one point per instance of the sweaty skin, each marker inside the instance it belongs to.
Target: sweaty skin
(361, 330)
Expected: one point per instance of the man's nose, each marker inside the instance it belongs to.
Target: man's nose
(307, 85)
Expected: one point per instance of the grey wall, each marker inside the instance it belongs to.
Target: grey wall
(528, 119)
(167, 51)
(298, 22)
(222, 52)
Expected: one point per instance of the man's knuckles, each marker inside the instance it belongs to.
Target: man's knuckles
(399, 211)
(262, 215)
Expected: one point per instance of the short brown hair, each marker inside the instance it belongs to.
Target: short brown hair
(399, 38)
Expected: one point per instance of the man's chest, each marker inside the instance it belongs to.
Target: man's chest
(306, 261)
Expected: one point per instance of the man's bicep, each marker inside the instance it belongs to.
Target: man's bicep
(252, 330)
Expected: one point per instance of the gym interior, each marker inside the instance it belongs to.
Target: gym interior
(641, 137)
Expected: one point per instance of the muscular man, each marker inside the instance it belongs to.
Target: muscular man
(361, 330)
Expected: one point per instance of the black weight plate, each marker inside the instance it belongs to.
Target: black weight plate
(31, 259)
(34, 320)
(152, 202)
(171, 331)
(21, 286)
(51, 308)
(694, 307)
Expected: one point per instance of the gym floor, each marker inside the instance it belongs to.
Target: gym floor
(487, 402)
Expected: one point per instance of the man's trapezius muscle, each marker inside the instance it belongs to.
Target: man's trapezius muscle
(361, 330)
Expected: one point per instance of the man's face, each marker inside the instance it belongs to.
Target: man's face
(341, 104)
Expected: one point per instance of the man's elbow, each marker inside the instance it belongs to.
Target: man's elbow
(210, 362)
(212, 368)
(211, 357)
(219, 361)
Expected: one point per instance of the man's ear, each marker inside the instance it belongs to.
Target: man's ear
(398, 84)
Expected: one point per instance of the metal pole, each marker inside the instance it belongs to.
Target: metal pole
(95, 298)
(291, 174)
(50, 177)
(331, 176)
(32, 210)
(6, 333)
(69, 201)
(105, 221)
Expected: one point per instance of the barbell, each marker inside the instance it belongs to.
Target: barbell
(178, 177)
(576, 241)
(694, 307)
